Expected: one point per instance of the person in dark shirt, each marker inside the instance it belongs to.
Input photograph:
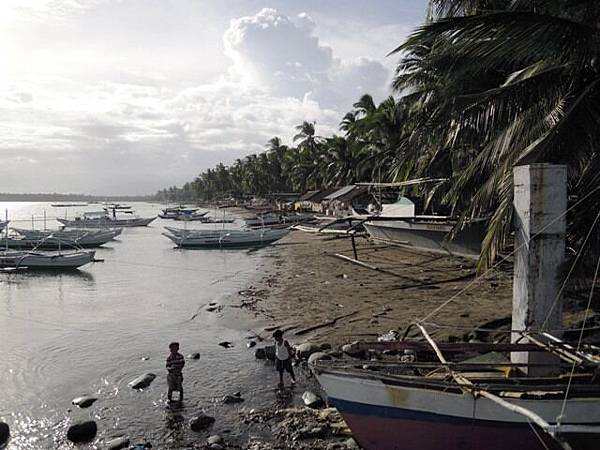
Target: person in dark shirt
(175, 363)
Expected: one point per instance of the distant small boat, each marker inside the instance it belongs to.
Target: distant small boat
(103, 220)
(42, 261)
(224, 238)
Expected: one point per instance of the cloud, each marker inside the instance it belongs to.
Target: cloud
(283, 55)
(126, 129)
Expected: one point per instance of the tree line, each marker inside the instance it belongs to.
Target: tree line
(480, 87)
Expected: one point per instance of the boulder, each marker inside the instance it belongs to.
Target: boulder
(260, 353)
(4, 433)
(194, 356)
(312, 400)
(226, 344)
(251, 344)
(214, 439)
(229, 399)
(82, 431)
(319, 356)
(303, 351)
(84, 401)
(117, 443)
(201, 422)
(143, 381)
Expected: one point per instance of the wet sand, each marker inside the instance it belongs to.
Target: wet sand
(315, 296)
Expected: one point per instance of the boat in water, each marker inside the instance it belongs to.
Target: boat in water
(57, 239)
(67, 205)
(224, 238)
(44, 261)
(103, 220)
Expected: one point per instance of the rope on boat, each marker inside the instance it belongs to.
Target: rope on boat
(579, 341)
(468, 386)
(503, 259)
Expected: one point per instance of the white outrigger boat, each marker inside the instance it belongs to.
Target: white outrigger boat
(42, 261)
(101, 219)
(224, 238)
(78, 238)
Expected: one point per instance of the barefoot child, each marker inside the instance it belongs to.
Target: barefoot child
(175, 363)
(283, 357)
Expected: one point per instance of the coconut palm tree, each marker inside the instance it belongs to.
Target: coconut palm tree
(496, 84)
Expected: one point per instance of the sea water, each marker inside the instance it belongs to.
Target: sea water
(94, 330)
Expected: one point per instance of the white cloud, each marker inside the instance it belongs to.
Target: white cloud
(90, 119)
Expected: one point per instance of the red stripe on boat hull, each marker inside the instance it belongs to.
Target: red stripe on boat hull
(381, 433)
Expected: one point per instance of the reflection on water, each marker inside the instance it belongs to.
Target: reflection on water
(92, 331)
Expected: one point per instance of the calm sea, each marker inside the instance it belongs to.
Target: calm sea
(92, 331)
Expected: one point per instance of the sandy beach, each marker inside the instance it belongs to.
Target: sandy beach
(315, 296)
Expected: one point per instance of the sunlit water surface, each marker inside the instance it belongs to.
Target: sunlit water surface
(94, 330)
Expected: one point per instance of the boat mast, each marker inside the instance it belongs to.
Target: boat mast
(540, 204)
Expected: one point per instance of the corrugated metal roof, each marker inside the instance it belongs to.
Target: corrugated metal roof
(308, 195)
(339, 192)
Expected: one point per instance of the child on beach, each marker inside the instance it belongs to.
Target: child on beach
(175, 363)
(283, 357)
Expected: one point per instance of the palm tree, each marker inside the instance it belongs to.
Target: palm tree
(501, 83)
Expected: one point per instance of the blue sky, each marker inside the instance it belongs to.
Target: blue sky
(129, 96)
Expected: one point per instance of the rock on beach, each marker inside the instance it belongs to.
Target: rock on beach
(82, 431)
(143, 381)
(303, 351)
(117, 443)
(312, 400)
(201, 422)
(84, 401)
(4, 433)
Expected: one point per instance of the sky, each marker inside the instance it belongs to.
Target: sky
(111, 97)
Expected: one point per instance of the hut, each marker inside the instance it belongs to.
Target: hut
(342, 201)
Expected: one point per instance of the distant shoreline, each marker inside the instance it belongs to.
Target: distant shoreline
(46, 197)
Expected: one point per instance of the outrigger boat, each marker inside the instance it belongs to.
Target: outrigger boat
(530, 391)
(176, 211)
(41, 261)
(443, 397)
(50, 240)
(224, 238)
(103, 220)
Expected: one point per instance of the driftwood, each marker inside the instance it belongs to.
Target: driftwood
(324, 324)
(355, 261)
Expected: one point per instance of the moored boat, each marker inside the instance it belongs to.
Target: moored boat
(43, 261)
(78, 238)
(104, 220)
(224, 238)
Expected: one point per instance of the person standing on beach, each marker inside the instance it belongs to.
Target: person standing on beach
(283, 357)
(175, 363)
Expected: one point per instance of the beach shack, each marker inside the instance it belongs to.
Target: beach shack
(283, 201)
(312, 201)
(341, 202)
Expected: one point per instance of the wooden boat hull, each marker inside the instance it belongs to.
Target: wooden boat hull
(235, 239)
(429, 235)
(38, 261)
(106, 223)
(384, 416)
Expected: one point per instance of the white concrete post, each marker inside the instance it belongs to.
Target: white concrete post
(540, 202)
